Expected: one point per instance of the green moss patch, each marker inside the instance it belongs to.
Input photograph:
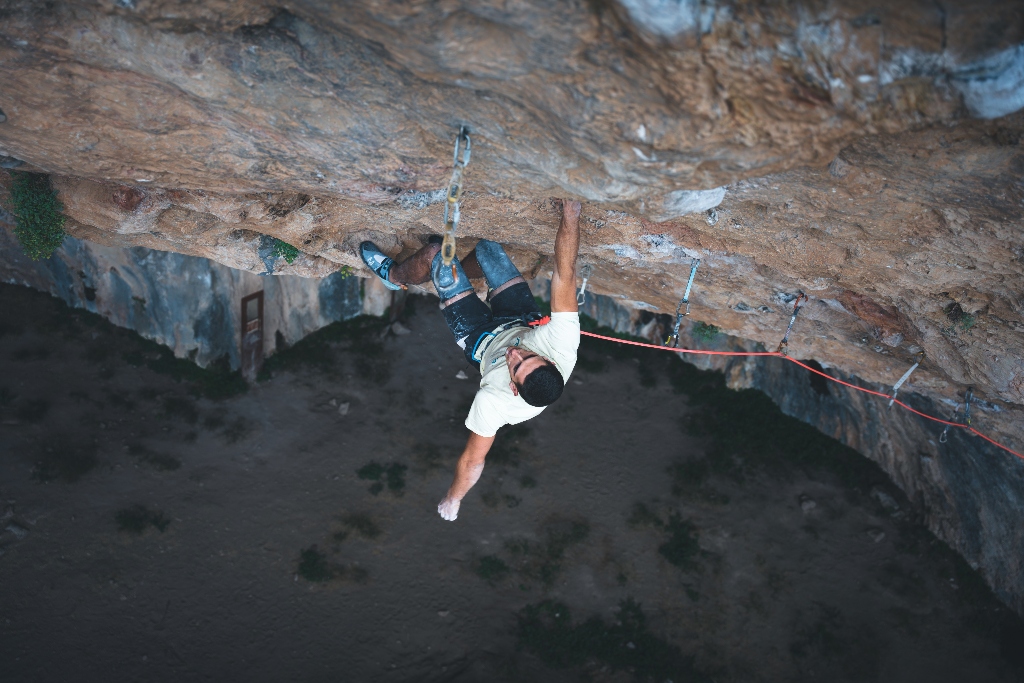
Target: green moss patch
(39, 219)
(284, 250)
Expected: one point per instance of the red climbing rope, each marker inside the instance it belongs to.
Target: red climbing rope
(776, 354)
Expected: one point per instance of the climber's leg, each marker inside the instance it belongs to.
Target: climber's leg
(510, 296)
(463, 310)
(415, 270)
(495, 264)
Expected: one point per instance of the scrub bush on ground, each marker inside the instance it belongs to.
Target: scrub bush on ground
(392, 474)
(314, 566)
(137, 518)
(547, 630)
(66, 460)
(217, 381)
(362, 524)
(542, 560)
(359, 335)
(681, 547)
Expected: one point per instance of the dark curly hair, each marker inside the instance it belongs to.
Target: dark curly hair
(543, 386)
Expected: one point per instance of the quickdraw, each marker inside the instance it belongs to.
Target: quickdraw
(784, 344)
(451, 206)
(956, 414)
(581, 298)
(905, 377)
(674, 339)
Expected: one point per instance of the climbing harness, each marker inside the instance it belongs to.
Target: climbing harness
(905, 377)
(784, 344)
(581, 298)
(673, 340)
(530, 320)
(451, 206)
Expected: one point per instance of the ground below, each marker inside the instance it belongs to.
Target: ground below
(163, 523)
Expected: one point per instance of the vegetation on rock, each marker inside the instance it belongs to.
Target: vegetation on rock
(705, 332)
(38, 213)
(285, 251)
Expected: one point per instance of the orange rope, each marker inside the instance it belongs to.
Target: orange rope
(807, 367)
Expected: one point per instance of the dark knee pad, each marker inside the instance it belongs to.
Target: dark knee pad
(497, 266)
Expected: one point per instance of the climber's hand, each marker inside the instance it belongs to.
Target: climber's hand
(449, 508)
(570, 209)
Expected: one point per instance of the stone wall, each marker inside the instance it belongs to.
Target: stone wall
(188, 303)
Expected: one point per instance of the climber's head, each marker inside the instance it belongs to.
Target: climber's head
(534, 377)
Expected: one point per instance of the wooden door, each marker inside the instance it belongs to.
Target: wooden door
(252, 335)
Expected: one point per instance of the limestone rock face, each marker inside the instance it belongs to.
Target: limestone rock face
(866, 154)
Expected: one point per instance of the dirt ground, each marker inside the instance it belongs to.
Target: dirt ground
(160, 526)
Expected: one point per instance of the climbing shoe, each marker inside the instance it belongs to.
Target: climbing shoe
(378, 262)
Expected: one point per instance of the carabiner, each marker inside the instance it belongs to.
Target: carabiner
(582, 296)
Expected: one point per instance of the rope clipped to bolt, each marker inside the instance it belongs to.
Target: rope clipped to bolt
(673, 340)
(784, 344)
(905, 377)
(956, 414)
(451, 205)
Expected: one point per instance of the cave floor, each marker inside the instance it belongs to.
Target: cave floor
(153, 535)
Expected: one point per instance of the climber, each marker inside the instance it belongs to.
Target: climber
(523, 369)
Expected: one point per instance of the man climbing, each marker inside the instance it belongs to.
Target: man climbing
(523, 369)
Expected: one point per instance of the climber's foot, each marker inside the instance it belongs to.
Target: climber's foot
(378, 262)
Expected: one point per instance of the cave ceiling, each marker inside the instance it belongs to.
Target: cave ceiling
(866, 154)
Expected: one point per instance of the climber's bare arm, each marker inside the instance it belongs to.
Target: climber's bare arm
(467, 473)
(567, 246)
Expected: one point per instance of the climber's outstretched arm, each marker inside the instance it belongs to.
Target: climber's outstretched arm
(567, 246)
(467, 473)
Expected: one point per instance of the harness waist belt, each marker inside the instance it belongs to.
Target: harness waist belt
(486, 338)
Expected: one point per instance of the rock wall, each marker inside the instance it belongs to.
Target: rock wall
(867, 155)
(189, 304)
